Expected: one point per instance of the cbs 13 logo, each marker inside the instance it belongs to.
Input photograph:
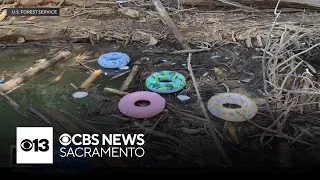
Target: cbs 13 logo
(36, 145)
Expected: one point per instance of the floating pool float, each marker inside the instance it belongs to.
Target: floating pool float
(166, 82)
(113, 60)
(127, 104)
(247, 107)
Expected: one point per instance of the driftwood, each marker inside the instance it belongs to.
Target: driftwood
(167, 19)
(119, 75)
(115, 91)
(11, 103)
(260, 4)
(39, 115)
(87, 83)
(186, 51)
(15, 82)
(125, 86)
(58, 78)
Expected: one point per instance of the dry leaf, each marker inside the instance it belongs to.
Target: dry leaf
(3, 15)
(129, 12)
(21, 40)
(153, 41)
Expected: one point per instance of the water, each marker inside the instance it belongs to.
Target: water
(38, 94)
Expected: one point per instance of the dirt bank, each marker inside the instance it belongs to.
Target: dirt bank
(139, 23)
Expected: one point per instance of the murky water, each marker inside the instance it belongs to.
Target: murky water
(38, 94)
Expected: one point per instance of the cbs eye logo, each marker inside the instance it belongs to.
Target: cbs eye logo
(37, 145)
(65, 139)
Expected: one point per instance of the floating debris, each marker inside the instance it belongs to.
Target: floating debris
(214, 57)
(80, 94)
(183, 97)
(39, 61)
(124, 68)
(2, 80)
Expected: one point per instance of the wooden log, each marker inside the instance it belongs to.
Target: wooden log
(87, 83)
(39, 115)
(15, 82)
(125, 86)
(260, 4)
(119, 75)
(58, 78)
(165, 16)
(115, 91)
(11, 103)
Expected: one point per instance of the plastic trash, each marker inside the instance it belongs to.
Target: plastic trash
(124, 68)
(80, 94)
(183, 98)
(2, 80)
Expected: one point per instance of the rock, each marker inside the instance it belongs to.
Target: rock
(129, 12)
(21, 40)
(153, 41)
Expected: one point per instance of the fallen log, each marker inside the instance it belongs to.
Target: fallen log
(31, 73)
(39, 115)
(125, 86)
(259, 4)
(119, 75)
(11, 103)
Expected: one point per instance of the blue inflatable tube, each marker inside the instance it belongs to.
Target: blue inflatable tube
(113, 60)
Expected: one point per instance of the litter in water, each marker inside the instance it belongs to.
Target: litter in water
(80, 94)
(124, 68)
(2, 80)
(183, 98)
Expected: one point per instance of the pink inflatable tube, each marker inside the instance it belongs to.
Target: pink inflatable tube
(128, 108)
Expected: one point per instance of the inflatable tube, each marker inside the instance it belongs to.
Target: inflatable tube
(127, 104)
(248, 107)
(113, 60)
(175, 82)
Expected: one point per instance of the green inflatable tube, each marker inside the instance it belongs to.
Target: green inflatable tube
(166, 82)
